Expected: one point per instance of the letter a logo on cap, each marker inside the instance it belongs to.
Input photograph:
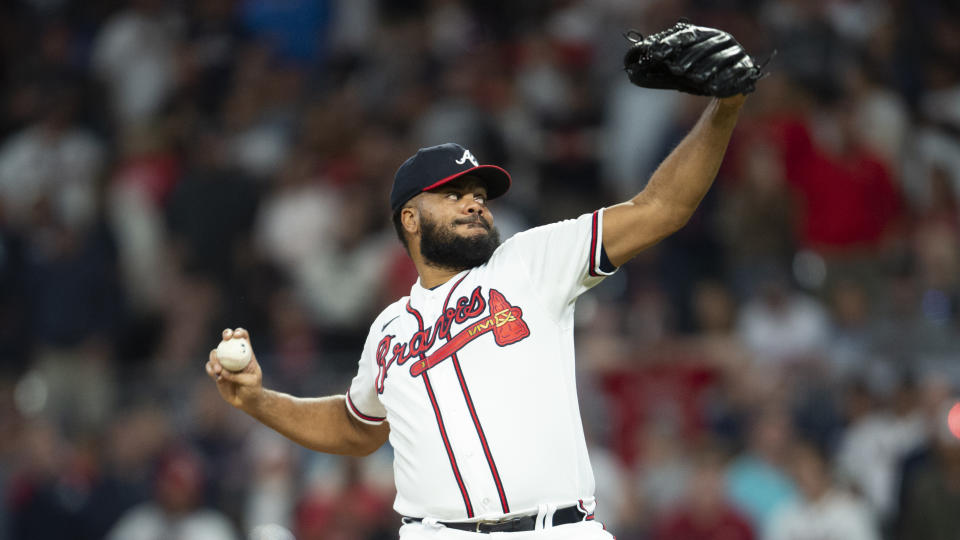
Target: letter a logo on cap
(467, 156)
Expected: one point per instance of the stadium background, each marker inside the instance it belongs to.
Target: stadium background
(168, 169)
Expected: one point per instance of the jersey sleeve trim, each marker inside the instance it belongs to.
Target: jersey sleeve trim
(365, 418)
(595, 266)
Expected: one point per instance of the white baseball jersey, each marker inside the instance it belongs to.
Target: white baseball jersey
(476, 378)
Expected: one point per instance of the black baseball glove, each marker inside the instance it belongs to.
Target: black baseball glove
(693, 59)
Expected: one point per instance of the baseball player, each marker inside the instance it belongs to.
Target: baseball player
(471, 376)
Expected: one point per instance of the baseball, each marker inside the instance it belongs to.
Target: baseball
(234, 354)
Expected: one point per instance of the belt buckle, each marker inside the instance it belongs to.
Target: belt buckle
(492, 522)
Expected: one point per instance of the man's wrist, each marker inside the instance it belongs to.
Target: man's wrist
(725, 111)
(732, 103)
(252, 402)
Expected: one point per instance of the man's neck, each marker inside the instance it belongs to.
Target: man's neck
(434, 276)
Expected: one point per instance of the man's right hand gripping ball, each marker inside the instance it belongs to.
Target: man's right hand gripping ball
(238, 388)
(692, 59)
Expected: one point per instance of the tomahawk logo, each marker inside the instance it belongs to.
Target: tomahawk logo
(467, 156)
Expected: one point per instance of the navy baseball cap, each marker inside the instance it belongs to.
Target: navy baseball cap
(433, 167)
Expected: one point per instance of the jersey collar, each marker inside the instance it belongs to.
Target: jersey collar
(418, 291)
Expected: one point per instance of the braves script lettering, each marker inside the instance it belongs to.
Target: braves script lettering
(505, 321)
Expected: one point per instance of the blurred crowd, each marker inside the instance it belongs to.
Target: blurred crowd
(781, 368)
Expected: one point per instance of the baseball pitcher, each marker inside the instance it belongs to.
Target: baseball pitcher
(471, 376)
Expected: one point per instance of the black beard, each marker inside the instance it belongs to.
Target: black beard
(446, 249)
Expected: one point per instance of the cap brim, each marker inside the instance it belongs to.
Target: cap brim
(496, 179)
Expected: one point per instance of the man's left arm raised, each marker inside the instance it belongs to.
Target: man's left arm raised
(675, 189)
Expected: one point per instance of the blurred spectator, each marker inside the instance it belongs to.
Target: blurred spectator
(211, 211)
(39, 495)
(322, 513)
(297, 217)
(664, 468)
(757, 481)
(71, 297)
(53, 62)
(735, 389)
(757, 217)
(131, 445)
(824, 512)
(259, 114)
(213, 39)
(808, 46)
(848, 195)
(569, 166)
(50, 169)
(146, 173)
(782, 326)
(853, 343)
(876, 440)
(880, 116)
(226, 443)
(294, 342)
(716, 340)
(936, 246)
(848, 206)
(176, 507)
(353, 26)
(704, 513)
(272, 492)
(187, 317)
(656, 399)
(341, 284)
(932, 170)
(134, 54)
(909, 329)
(453, 114)
(930, 489)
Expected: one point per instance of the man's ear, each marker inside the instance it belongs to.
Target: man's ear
(410, 219)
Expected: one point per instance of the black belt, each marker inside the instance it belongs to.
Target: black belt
(563, 516)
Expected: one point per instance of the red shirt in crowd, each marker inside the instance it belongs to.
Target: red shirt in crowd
(684, 524)
(846, 199)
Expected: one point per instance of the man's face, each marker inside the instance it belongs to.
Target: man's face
(456, 227)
